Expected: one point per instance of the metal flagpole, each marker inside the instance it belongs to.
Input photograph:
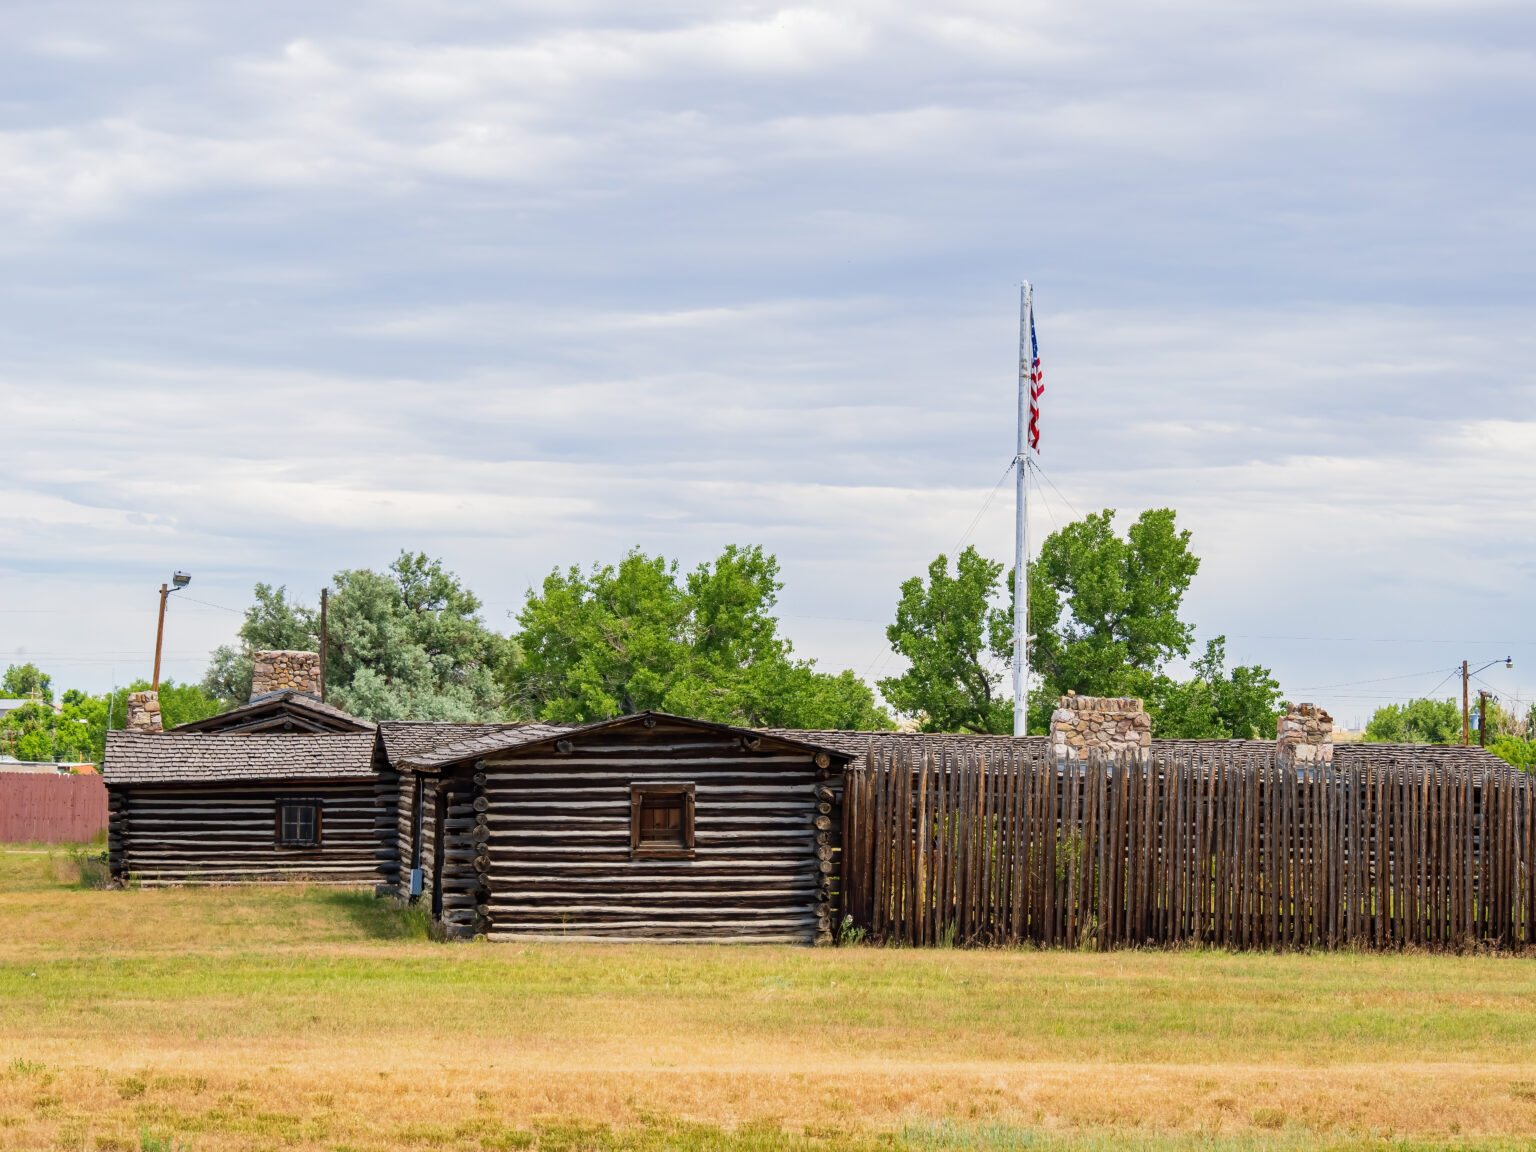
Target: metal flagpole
(1021, 527)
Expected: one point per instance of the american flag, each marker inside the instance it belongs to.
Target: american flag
(1036, 387)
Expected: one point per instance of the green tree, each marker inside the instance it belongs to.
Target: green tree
(941, 628)
(1243, 704)
(77, 730)
(1104, 609)
(1104, 613)
(404, 644)
(613, 640)
(1517, 750)
(272, 623)
(410, 644)
(23, 680)
(1417, 722)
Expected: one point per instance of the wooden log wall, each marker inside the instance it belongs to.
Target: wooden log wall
(386, 826)
(556, 842)
(463, 909)
(405, 816)
(164, 834)
(1231, 850)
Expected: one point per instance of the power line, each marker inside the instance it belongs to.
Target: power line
(208, 604)
(1377, 680)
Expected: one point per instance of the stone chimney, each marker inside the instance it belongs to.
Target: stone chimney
(144, 712)
(1110, 724)
(1305, 735)
(276, 671)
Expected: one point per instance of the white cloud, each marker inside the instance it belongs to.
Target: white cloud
(287, 293)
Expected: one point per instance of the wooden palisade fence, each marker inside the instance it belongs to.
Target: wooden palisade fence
(1233, 849)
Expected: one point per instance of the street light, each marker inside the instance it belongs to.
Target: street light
(1466, 720)
(179, 580)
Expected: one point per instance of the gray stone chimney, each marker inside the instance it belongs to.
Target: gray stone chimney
(1110, 724)
(144, 712)
(275, 671)
(1305, 735)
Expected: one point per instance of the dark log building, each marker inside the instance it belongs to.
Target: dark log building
(647, 827)
(212, 808)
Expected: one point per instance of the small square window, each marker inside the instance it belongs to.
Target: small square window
(298, 823)
(661, 820)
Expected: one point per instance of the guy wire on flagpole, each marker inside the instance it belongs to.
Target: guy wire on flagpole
(1021, 526)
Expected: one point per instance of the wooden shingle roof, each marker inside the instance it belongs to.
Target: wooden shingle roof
(523, 735)
(168, 758)
(403, 739)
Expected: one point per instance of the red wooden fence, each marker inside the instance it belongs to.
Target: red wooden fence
(37, 808)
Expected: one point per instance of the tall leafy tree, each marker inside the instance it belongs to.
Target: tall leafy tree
(1104, 609)
(1103, 604)
(410, 644)
(272, 623)
(941, 628)
(1104, 620)
(407, 643)
(640, 635)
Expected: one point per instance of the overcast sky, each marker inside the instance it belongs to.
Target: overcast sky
(286, 288)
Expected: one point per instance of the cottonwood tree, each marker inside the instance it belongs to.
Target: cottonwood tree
(952, 682)
(1104, 620)
(612, 640)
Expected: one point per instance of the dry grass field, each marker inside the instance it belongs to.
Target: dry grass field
(242, 1018)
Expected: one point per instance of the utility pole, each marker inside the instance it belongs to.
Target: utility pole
(325, 599)
(178, 581)
(1466, 735)
(160, 637)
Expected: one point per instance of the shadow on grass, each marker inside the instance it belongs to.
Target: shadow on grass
(379, 919)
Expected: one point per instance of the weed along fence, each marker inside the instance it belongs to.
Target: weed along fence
(1236, 847)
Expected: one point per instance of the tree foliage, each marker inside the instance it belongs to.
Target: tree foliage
(77, 730)
(1104, 620)
(613, 640)
(941, 628)
(23, 680)
(407, 643)
(1417, 722)
(1103, 607)
(1243, 704)
(1518, 750)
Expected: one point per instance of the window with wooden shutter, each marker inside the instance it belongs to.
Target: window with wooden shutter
(661, 820)
(298, 823)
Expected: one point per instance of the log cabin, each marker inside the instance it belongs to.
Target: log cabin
(408, 830)
(197, 808)
(650, 827)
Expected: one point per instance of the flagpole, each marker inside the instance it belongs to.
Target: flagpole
(1021, 526)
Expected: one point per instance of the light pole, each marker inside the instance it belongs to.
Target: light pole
(178, 581)
(1466, 719)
